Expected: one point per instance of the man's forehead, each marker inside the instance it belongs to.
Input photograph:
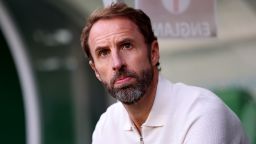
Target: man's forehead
(105, 28)
(113, 24)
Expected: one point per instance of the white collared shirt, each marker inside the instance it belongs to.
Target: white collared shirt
(180, 114)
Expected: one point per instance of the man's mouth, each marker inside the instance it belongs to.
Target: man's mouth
(123, 80)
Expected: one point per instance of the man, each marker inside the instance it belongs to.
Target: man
(124, 54)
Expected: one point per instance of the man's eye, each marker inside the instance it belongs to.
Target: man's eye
(127, 45)
(103, 53)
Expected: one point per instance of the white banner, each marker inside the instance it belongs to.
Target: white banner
(181, 18)
(109, 2)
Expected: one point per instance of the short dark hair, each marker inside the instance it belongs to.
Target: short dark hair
(118, 10)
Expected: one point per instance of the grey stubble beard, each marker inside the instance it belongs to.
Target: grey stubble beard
(132, 93)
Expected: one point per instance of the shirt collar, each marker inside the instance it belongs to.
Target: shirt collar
(158, 115)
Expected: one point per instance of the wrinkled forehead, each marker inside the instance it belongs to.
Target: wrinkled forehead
(107, 27)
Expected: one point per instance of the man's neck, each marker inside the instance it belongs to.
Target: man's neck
(138, 112)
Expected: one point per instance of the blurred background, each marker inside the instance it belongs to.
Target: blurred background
(49, 95)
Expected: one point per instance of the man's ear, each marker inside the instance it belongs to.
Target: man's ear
(91, 63)
(154, 52)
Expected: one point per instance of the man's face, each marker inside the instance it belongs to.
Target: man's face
(120, 59)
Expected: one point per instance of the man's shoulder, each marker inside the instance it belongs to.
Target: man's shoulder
(109, 121)
(190, 99)
(201, 99)
(197, 109)
(113, 111)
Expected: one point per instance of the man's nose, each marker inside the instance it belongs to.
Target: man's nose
(117, 61)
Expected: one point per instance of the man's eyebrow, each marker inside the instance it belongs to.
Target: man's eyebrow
(124, 41)
(99, 48)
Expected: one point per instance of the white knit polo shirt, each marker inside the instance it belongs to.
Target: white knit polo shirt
(181, 114)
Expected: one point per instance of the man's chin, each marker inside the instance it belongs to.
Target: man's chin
(127, 95)
(130, 102)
